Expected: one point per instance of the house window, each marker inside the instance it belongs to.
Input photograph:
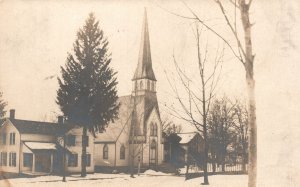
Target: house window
(122, 152)
(105, 152)
(3, 138)
(3, 161)
(12, 159)
(12, 137)
(153, 129)
(71, 140)
(27, 159)
(88, 160)
(73, 160)
(86, 141)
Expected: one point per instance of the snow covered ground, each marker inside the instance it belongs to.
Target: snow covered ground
(147, 179)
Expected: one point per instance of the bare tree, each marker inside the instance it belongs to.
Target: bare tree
(2, 106)
(221, 129)
(241, 48)
(199, 92)
(169, 127)
(241, 127)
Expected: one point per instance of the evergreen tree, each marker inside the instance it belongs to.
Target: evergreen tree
(2, 106)
(87, 93)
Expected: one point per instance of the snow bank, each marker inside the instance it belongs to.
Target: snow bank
(152, 172)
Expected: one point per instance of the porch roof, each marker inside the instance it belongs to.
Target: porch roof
(40, 145)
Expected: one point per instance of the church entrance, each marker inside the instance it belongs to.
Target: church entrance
(153, 154)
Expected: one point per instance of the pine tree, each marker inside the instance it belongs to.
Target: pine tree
(2, 106)
(87, 93)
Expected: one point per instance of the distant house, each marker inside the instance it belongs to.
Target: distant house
(185, 148)
(33, 147)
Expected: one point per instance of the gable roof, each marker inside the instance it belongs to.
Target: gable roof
(35, 127)
(122, 124)
(186, 137)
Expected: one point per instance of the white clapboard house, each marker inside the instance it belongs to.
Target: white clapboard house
(33, 147)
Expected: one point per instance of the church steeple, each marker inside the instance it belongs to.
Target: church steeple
(144, 80)
(144, 68)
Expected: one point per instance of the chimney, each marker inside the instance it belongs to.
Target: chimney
(12, 114)
(60, 120)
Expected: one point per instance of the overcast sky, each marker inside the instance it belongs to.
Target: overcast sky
(35, 37)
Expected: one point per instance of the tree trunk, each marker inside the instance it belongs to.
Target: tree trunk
(214, 162)
(64, 158)
(244, 157)
(223, 155)
(249, 63)
(252, 160)
(83, 157)
(223, 162)
(205, 156)
(187, 171)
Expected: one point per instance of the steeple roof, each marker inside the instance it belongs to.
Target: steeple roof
(144, 68)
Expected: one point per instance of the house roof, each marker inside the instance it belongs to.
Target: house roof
(186, 137)
(35, 127)
(40, 145)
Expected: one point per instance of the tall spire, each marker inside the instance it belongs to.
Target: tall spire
(144, 68)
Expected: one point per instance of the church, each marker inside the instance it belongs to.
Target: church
(136, 137)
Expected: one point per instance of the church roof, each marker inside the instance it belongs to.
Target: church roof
(143, 107)
(114, 129)
(144, 69)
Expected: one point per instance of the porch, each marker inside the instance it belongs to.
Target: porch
(42, 159)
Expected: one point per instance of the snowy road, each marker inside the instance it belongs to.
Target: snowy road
(149, 178)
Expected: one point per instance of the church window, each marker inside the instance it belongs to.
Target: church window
(122, 152)
(153, 152)
(141, 85)
(152, 86)
(148, 85)
(153, 129)
(105, 152)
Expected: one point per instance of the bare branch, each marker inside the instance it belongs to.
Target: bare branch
(213, 31)
(233, 30)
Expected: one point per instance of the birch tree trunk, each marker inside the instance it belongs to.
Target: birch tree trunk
(249, 60)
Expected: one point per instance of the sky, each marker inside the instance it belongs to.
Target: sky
(35, 37)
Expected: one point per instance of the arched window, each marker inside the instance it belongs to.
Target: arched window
(122, 152)
(141, 85)
(152, 86)
(135, 85)
(153, 144)
(148, 85)
(153, 129)
(105, 151)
